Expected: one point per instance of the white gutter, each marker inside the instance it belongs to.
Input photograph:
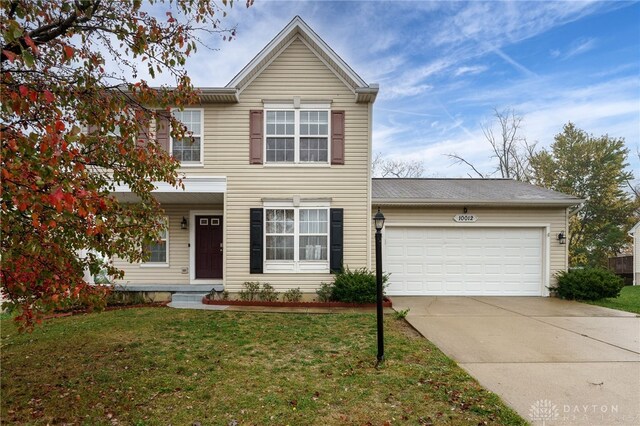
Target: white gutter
(471, 202)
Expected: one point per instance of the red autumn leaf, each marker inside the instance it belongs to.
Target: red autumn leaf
(10, 55)
(68, 52)
(56, 197)
(23, 90)
(49, 96)
(59, 126)
(31, 44)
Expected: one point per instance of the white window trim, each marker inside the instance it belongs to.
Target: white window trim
(191, 163)
(160, 264)
(296, 134)
(296, 265)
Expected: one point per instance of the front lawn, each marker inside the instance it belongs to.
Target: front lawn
(165, 366)
(629, 300)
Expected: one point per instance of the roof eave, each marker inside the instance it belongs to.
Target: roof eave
(218, 95)
(367, 94)
(480, 203)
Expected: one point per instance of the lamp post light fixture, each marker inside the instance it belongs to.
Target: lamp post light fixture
(378, 220)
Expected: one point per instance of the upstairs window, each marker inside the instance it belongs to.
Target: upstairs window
(189, 150)
(280, 137)
(314, 136)
(297, 136)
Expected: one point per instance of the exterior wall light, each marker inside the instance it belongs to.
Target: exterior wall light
(184, 224)
(562, 239)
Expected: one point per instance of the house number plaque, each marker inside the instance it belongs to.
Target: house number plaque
(465, 218)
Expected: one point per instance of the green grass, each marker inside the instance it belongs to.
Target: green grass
(629, 300)
(153, 366)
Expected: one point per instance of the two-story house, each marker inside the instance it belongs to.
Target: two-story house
(278, 189)
(277, 178)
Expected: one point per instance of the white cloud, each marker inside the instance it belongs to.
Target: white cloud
(470, 70)
(578, 47)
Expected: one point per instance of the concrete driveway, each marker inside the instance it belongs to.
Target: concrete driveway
(555, 362)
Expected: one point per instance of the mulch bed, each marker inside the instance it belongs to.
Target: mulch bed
(279, 304)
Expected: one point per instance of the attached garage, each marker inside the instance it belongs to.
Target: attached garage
(450, 261)
(471, 237)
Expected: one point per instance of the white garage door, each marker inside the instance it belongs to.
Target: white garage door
(464, 261)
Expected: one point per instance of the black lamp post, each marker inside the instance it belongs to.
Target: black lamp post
(378, 219)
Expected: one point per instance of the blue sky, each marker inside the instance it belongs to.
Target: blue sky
(444, 66)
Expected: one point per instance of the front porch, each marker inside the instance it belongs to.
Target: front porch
(191, 256)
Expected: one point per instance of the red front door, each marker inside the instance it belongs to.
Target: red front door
(208, 247)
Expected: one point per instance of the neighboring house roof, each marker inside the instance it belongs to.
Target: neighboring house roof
(297, 28)
(465, 192)
(635, 229)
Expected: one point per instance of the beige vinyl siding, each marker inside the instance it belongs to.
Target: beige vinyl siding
(508, 216)
(178, 251)
(297, 71)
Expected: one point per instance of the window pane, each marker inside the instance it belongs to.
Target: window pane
(314, 123)
(313, 149)
(157, 252)
(187, 149)
(313, 221)
(313, 248)
(280, 150)
(279, 247)
(191, 119)
(279, 221)
(280, 123)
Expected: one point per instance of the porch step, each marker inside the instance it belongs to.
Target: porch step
(187, 297)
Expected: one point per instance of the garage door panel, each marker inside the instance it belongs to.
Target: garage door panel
(464, 261)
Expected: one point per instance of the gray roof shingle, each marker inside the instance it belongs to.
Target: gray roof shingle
(465, 191)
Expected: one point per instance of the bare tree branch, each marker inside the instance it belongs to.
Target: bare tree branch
(396, 168)
(511, 150)
(459, 160)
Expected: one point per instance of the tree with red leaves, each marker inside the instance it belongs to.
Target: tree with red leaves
(71, 129)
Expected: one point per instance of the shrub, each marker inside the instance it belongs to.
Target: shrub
(588, 284)
(292, 295)
(250, 292)
(324, 292)
(357, 286)
(268, 294)
(401, 314)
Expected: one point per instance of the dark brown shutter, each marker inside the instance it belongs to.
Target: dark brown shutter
(163, 131)
(256, 218)
(336, 236)
(255, 136)
(337, 137)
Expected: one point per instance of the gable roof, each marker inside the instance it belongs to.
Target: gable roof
(297, 28)
(465, 192)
